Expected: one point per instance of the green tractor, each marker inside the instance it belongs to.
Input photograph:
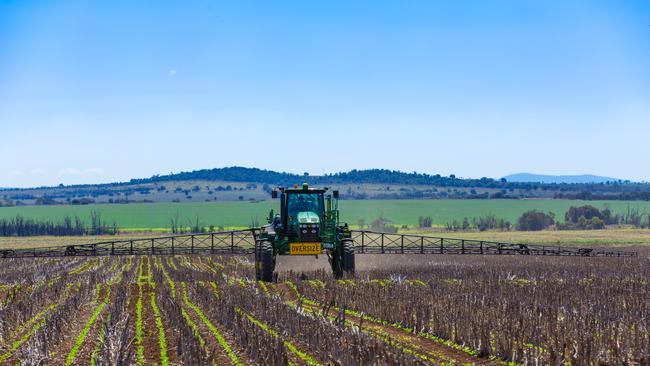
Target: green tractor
(308, 224)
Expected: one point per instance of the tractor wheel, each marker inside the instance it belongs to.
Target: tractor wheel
(258, 261)
(268, 261)
(348, 256)
(337, 267)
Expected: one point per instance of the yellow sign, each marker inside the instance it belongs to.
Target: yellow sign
(304, 248)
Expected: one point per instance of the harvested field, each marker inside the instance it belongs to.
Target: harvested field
(399, 309)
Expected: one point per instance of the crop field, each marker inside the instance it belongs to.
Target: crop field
(399, 309)
(235, 214)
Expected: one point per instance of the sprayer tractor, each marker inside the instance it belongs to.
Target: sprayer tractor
(308, 224)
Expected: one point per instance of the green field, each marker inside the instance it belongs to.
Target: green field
(241, 214)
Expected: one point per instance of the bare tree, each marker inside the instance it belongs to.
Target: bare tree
(175, 223)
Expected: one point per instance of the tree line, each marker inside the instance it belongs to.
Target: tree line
(585, 217)
(385, 176)
(69, 226)
(500, 188)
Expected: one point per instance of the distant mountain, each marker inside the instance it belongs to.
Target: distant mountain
(569, 179)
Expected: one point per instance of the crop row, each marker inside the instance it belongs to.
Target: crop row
(203, 310)
(526, 310)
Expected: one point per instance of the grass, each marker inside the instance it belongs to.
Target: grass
(150, 219)
(157, 216)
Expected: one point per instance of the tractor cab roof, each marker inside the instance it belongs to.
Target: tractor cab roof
(304, 189)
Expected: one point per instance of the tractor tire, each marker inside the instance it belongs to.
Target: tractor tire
(268, 261)
(258, 260)
(335, 262)
(347, 262)
(337, 269)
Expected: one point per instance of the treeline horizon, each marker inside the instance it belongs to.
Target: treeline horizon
(414, 186)
(372, 176)
(355, 176)
(69, 226)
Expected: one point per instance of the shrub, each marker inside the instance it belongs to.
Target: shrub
(425, 221)
(597, 223)
(588, 217)
(487, 222)
(382, 224)
(588, 212)
(534, 220)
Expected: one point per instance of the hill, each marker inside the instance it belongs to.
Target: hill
(253, 184)
(568, 179)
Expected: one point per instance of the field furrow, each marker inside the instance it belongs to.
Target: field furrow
(100, 301)
(214, 331)
(206, 310)
(24, 332)
(420, 345)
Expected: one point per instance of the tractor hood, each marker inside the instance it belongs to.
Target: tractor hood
(308, 217)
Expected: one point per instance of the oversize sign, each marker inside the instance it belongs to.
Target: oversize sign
(304, 248)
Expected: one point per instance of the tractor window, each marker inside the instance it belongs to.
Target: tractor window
(304, 202)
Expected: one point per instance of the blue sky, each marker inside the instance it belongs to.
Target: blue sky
(109, 90)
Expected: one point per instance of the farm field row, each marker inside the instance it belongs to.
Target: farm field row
(156, 216)
(203, 310)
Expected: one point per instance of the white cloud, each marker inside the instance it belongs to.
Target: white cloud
(37, 171)
(15, 173)
(172, 72)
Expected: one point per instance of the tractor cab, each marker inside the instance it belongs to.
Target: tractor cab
(301, 213)
(308, 224)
